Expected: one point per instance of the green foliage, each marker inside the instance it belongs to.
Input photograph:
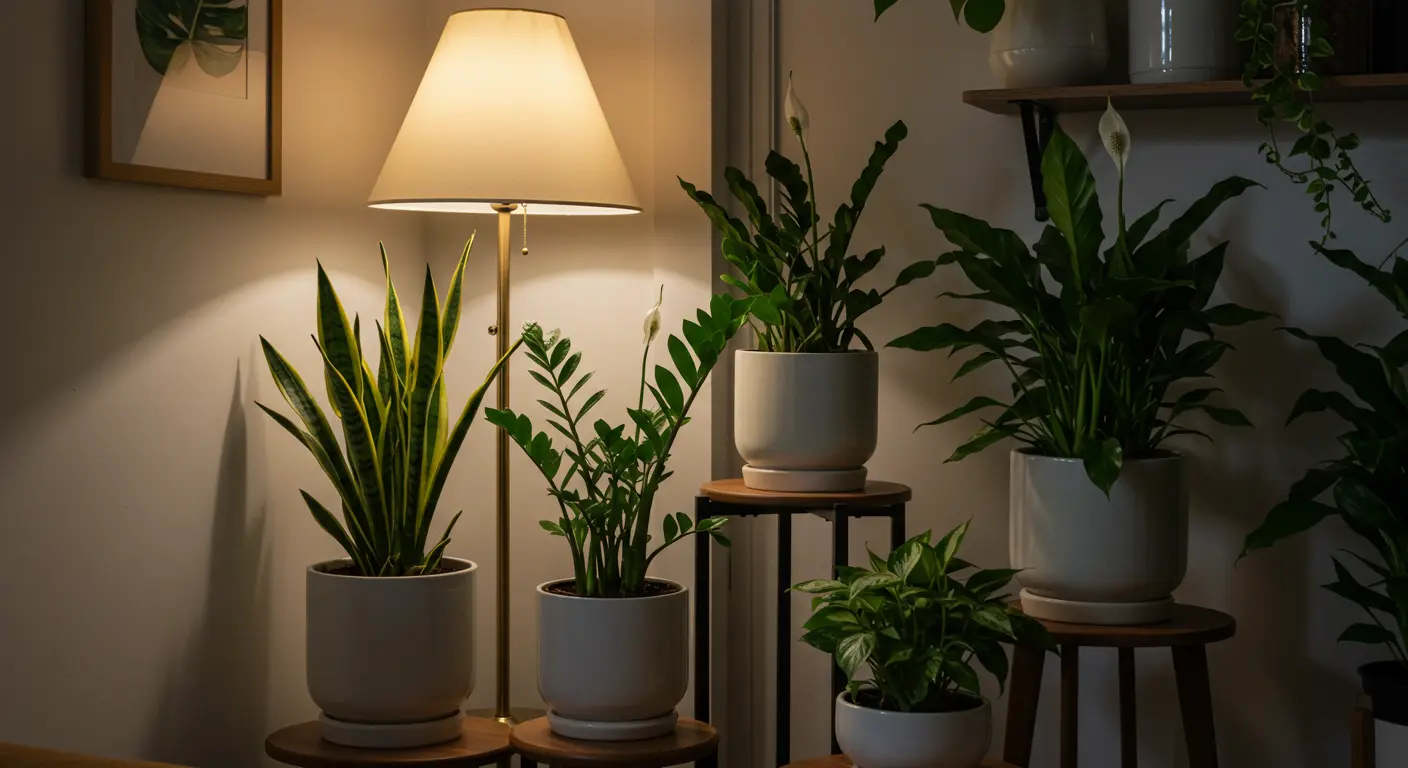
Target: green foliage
(215, 31)
(917, 625)
(1284, 92)
(604, 481)
(980, 15)
(398, 445)
(802, 281)
(1098, 338)
(1368, 485)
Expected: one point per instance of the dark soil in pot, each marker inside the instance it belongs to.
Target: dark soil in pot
(945, 702)
(1386, 684)
(568, 588)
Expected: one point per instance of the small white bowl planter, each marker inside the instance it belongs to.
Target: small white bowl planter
(613, 669)
(390, 660)
(805, 422)
(874, 738)
(1089, 559)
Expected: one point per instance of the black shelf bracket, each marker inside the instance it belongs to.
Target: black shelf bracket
(1038, 120)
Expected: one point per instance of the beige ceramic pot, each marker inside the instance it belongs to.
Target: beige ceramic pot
(613, 669)
(390, 660)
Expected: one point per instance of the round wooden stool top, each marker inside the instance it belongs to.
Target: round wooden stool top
(483, 742)
(691, 741)
(877, 493)
(841, 761)
(1190, 625)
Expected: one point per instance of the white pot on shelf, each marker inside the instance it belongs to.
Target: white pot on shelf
(1090, 559)
(1041, 43)
(874, 738)
(1182, 41)
(613, 669)
(806, 422)
(390, 660)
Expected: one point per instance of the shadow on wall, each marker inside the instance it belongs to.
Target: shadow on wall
(213, 708)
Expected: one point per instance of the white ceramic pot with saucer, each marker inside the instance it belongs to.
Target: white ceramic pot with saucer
(1042, 43)
(613, 669)
(874, 738)
(390, 659)
(806, 422)
(1086, 558)
(1182, 41)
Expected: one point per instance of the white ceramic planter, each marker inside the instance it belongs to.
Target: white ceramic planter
(1089, 559)
(1182, 41)
(390, 660)
(1042, 43)
(805, 422)
(873, 738)
(613, 669)
(1386, 685)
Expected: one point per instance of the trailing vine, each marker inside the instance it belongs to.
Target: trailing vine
(1284, 92)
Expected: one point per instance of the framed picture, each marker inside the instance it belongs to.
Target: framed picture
(185, 93)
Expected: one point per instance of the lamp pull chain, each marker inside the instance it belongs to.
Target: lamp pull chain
(525, 229)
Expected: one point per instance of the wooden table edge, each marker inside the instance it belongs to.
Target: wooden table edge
(381, 757)
(704, 749)
(877, 493)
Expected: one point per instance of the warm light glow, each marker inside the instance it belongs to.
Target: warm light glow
(506, 114)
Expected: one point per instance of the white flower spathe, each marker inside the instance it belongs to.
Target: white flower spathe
(1114, 134)
(652, 319)
(797, 117)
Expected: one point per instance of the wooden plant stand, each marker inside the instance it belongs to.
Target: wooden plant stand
(483, 742)
(1187, 635)
(841, 761)
(692, 741)
(731, 498)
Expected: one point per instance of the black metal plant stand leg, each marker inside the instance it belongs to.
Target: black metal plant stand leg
(840, 516)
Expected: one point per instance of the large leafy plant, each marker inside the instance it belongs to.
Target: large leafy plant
(605, 480)
(398, 445)
(918, 626)
(1096, 340)
(214, 32)
(1368, 484)
(803, 281)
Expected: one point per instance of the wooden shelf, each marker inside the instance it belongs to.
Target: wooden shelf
(1221, 93)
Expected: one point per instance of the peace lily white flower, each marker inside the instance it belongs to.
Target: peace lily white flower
(652, 319)
(797, 117)
(1114, 134)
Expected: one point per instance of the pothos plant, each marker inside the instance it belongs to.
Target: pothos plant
(802, 281)
(397, 442)
(1368, 484)
(605, 479)
(918, 626)
(1284, 92)
(1098, 338)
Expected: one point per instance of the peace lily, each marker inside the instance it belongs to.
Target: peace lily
(1114, 134)
(797, 117)
(652, 319)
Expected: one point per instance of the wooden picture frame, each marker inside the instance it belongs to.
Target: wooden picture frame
(101, 161)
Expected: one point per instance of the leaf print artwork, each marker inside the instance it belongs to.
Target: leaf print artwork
(213, 32)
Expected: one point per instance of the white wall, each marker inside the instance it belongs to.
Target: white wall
(1283, 689)
(152, 539)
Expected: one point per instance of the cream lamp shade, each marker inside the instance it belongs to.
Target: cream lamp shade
(506, 114)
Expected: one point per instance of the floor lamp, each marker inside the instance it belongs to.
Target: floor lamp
(505, 121)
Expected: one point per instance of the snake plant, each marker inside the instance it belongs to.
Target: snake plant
(398, 445)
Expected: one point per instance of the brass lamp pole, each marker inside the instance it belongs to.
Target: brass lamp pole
(559, 158)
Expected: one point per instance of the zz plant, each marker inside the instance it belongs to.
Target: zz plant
(398, 445)
(918, 626)
(605, 480)
(803, 280)
(1095, 340)
(1368, 484)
